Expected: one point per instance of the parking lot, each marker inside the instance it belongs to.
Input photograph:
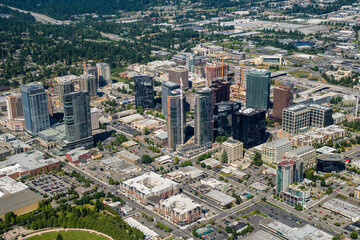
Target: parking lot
(125, 128)
(49, 184)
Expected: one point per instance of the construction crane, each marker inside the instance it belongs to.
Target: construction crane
(52, 84)
(88, 61)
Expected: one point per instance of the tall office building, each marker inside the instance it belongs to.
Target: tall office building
(176, 119)
(283, 97)
(77, 116)
(249, 126)
(50, 105)
(300, 117)
(95, 115)
(89, 83)
(35, 106)
(14, 106)
(320, 116)
(190, 62)
(295, 118)
(258, 89)
(166, 89)
(144, 91)
(223, 114)
(103, 73)
(66, 85)
(214, 71)
(203, 123)
(175, 74)
(220, 91)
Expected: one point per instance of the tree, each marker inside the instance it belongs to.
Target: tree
(146, 131)
(354, 235)
(323, 183)
(329, 191)
(140, 109)
(146, 159)
(59, 237)
(103, 126)
(257, 159)
(224, 157)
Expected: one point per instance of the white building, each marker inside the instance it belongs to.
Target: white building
(272, 152)
(95, 115)
(233, 149)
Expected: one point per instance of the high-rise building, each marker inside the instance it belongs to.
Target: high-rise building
(35, 106)
(190, 62)
(283, 98)
(95, 115)
(320, 116)
(176, 119)
(233, 149)
(220, 91)
(258, 89)
(103, 73)
(273, 152)
(14, 106)
(89, 83)
(223, 114)
(214, 71)
(50, 105)
(77, 116)
(300, 117)
(66, 85)
(91, 71)
(203, 123)
(249, 126)
(177, 73)
(295, 118)
(144, 91)
(166, 89)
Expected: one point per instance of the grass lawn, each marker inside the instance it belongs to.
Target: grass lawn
(69, 235)
(299, 74)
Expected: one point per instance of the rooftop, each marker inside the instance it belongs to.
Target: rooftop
(180, 203)
(9, 185)
(148, 233)
(18, 200)
(261, 235)
(220, 197)
(343, 207)
(149, 183)
(296, 108)
(277, 143)
(302, 150)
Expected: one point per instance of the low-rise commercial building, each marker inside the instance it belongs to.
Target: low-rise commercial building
(344, 208)
(78, 155)
(149, 184)
(221, 198)
(129, 156)
(179, 209)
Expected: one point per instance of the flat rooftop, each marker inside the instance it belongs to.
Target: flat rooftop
(9, 185)
(220, 197)
(149, 183)
(180, 203)
(343, 207)
(262, 235)
(18, 200)
(277, 143)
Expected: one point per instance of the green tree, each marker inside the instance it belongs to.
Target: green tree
(224, 157)
(103, 126)
(146, 159)
(257, 159)
(354, 235)
(59, 237)
(140, 109)
(146, 131)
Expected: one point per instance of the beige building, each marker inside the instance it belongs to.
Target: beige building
(233, 149)
(273, 152)
(14, 106)
(306, 153)
(357, 193)
(95, 115)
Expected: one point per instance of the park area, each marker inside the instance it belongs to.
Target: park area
(69, 235)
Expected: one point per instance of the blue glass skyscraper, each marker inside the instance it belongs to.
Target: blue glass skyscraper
(35, 106)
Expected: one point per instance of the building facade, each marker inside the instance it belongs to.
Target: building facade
(320, 116)
(273, 152)
(249, 126)
(179, 74)
(144, 91)
(223, 114)
(89, 83)
(103, 73)
(95, 115)
(166, 89)
(258, 89)
(295, 118)
(66, 85)
(283, 98)
(176, 120)
(14, 106)
(213, 71)
(306, 153)
(77, 116)
(203, 123)
(35, 106)
(233, 149)
(220, 91)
